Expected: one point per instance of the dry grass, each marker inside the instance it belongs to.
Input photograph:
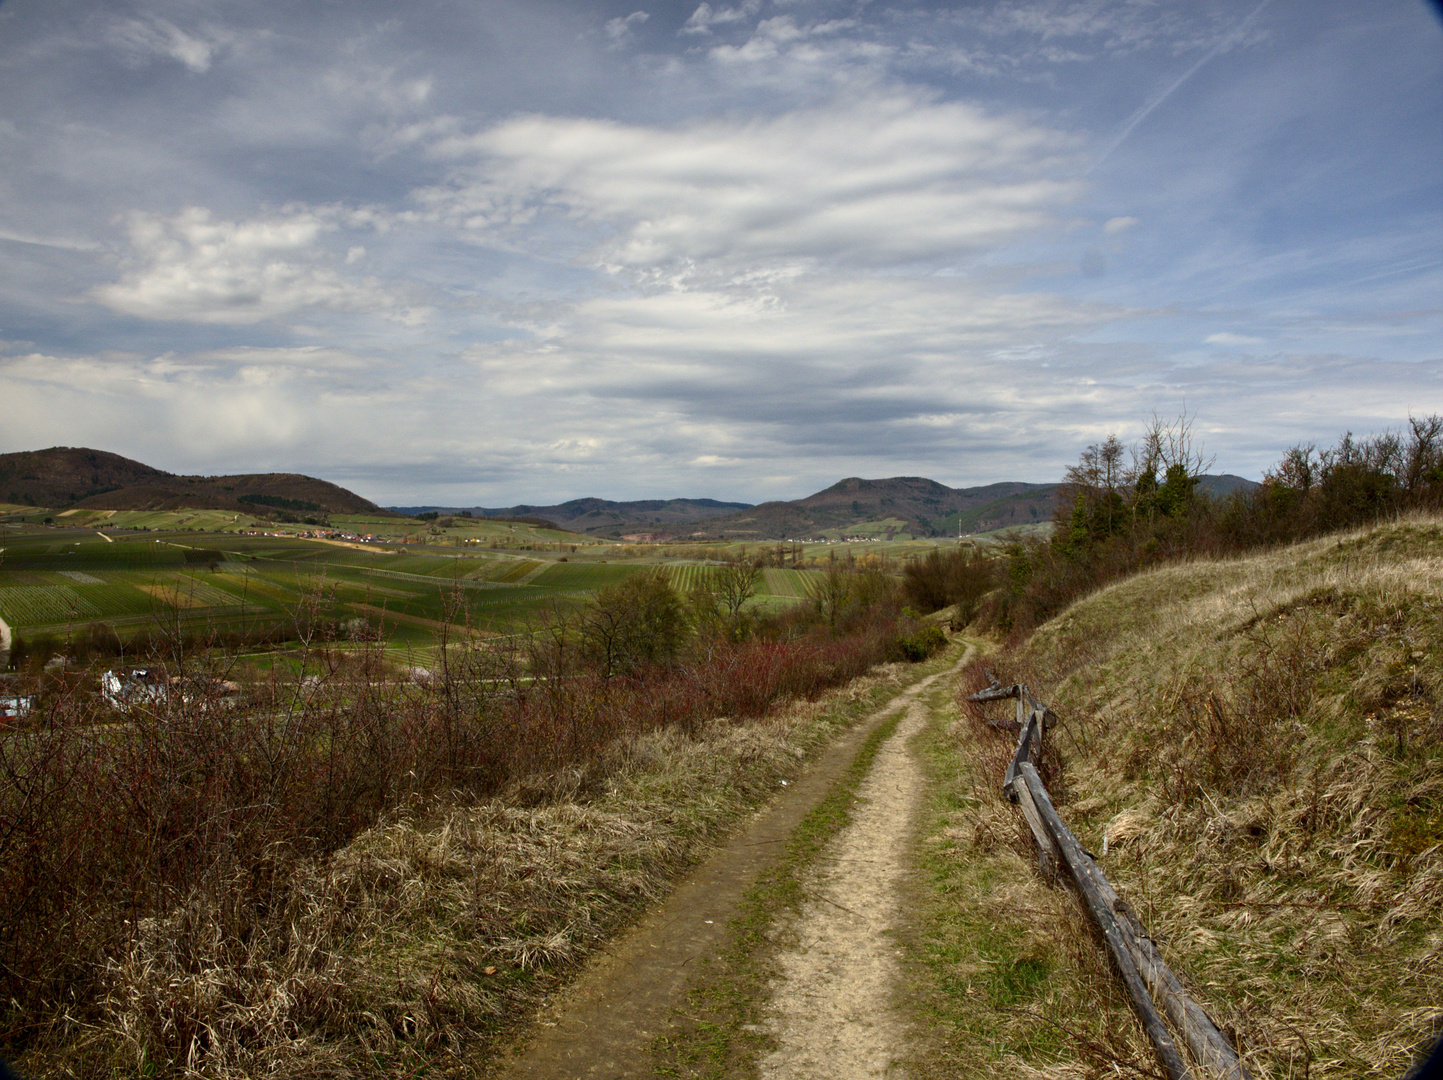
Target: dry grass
(1006, 977)
(1257, 745)
(425, 941)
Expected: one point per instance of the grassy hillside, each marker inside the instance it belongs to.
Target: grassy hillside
(77, 477)
(1254, 747)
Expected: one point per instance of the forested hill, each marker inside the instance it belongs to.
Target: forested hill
(593, 515)
(65, 477)
(896, 507)
(901, 505)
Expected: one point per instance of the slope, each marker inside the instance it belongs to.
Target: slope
(78, 477)
(1253, 748)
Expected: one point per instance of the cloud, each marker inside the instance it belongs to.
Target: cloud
(882, 181)
(194, 268)
(1116, 225)
(151, 38)
(1228, 338)
(619, 30)
(705, 16)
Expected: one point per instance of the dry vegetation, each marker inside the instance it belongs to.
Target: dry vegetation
(1254, 748)
(249, 946)
(1006, 977)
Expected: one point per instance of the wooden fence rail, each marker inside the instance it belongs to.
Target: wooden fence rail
(1151, 984)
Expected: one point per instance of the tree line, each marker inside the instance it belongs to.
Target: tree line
(1124, 508)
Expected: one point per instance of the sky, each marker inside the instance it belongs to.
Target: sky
(484, 252)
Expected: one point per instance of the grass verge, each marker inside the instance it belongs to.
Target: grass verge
(1002, 976)
(719, 1033)
(1254, 749)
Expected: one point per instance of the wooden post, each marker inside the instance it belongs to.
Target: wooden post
(1048, 856)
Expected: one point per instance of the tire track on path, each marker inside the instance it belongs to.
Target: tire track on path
(601, 1028)
(831, 1012)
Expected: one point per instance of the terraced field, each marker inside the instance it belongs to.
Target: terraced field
(188, 593)
(502, 569)
(587, 576)
(688, 576)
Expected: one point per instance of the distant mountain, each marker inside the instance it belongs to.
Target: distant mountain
(900, 506)
(595, 515)
(1223, 485)
(64, 478)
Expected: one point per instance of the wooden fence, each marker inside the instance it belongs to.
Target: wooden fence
(1151, 984)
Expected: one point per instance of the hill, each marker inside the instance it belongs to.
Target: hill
(899, 506)
(1224, 484)
(592, 515)
(1253, 747)
(65, 477)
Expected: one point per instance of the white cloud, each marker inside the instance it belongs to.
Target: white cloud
(194, 268)
(619, 30)
(1116, 225)
(877, 182)
(705, 16)
(142, 40)
(1227, 338)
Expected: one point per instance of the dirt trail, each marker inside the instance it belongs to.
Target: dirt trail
(831, 1007)
(602, 1027)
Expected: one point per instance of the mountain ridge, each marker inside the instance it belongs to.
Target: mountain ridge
(589, 513)
(77, 477)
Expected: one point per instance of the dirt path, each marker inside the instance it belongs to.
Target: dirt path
(602, 1027)
(831, 1007)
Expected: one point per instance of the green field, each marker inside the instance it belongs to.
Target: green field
(55, 580)
(798, 584)
(91, 567)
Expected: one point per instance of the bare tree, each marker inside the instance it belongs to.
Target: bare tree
(735, 582)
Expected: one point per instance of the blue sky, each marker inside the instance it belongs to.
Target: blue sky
(489, 252)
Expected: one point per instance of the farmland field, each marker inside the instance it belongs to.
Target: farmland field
(25, 604)
(581, 575)
(58, 579)
(800, 584)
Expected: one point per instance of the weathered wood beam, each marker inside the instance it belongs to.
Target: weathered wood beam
(1077, 860)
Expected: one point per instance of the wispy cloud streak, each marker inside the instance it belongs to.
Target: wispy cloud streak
(1147, 110)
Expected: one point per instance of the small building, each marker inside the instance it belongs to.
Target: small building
(152, 686)
(139, 686)
(16, 707)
